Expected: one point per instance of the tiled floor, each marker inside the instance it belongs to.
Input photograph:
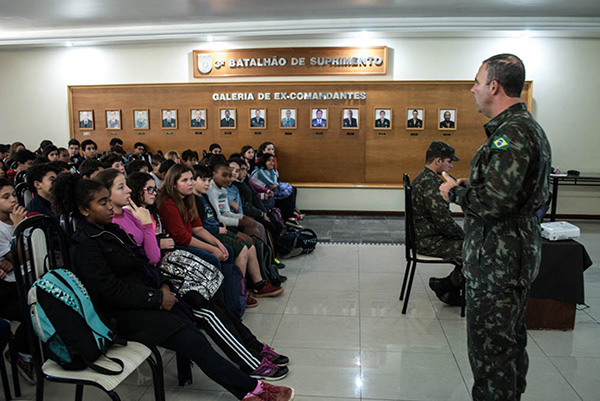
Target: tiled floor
(339, 321)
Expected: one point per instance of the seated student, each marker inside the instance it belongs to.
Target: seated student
(90, 149)
(74, 152)
(173, 155)
(248, 155)
(136, 220)
(251, 203)
(63, 155)
(11, 214)
(215, 149)
(113, 160)
(50, 153)
(60, 167)
(159, 175)
(436, 232)
(217, 194)
(233, 194)
(23, 159)
(189, 158)
(265, 176)
(269, 147)
(208, 215)
(89, 168)
(137, 165)
(155, 165)
(40, 178)
(125, 287)
(43, 144)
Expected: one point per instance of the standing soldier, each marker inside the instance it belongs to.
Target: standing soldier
(436, 232)
(502, 251)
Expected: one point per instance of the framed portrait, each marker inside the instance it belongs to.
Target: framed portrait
(169, 118)
(383, 118)
(350, 119)
(447, 119)
(198, 119)
(318, 118)
(113, 119)
(287, 118)
(415, 118)
(258, 118)
(141, 119)
(227, 118)
(86, 119)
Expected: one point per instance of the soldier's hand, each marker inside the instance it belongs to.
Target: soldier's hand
(447, 186)
(463, 182)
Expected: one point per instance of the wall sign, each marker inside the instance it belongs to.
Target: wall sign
(290, 61)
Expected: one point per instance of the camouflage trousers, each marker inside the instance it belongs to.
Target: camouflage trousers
(446, 248)
(497, 338)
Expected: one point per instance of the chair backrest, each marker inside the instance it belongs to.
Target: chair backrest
(38, 245)
(20, 177)
(67, 223)
(409, 222)
(24, 194)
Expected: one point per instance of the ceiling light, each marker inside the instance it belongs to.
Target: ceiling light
(209, 38)
(68, 44)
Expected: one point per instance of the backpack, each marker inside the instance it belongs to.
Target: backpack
(188, 272)
(234, 289)
(295, 242)
(64, 319)
(264, 255)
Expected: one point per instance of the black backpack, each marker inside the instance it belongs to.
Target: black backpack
(295, 242)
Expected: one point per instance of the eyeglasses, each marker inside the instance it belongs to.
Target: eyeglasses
(151, 190)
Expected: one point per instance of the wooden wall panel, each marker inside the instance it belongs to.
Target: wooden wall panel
(366, 157)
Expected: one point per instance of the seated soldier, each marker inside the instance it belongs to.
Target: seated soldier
(436, 232)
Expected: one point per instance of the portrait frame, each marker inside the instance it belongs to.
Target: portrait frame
(146, 113)
(388, 111)
(91, 119)
(420, 115)
(119, 119)
(453, 117)
(203, 112)
(232, 114)
(163, 116)
(355, 114)
(293, 114)
(313, 115)
(253, 113)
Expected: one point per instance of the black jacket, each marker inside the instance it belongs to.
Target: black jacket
(251, 203)
(121, 285)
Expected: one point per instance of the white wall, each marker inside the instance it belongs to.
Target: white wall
(566, 91)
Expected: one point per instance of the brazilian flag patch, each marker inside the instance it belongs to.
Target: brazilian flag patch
(500, 143)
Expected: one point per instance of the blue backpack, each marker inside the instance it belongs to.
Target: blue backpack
(65, 320)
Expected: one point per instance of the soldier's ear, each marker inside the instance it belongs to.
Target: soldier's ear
(495, 87)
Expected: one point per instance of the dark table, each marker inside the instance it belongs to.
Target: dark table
(561, 272)
(586, 180)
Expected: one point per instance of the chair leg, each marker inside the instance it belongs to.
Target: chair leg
(157, 379)
(15, 371)
(463, 300)
(406, 273)
(5, 383)
(409, 287)
(39, 390)
(79, 392)
(159, 366)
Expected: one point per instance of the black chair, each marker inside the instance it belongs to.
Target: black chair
(39, 245)
(20, 177)
(24, 194)
(412, 257)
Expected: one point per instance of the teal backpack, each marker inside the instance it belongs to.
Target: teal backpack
(65, 320)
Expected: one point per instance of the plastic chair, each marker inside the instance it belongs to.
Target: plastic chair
(20, 177)
(412, 257)
(24, 194)
(34, 251)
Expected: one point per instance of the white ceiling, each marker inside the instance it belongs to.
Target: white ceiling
(47, 22)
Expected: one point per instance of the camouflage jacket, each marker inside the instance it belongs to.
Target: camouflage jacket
(431, 212)
(509, 182)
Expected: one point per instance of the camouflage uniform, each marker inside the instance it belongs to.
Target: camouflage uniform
(436, 232)
(502, 251)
